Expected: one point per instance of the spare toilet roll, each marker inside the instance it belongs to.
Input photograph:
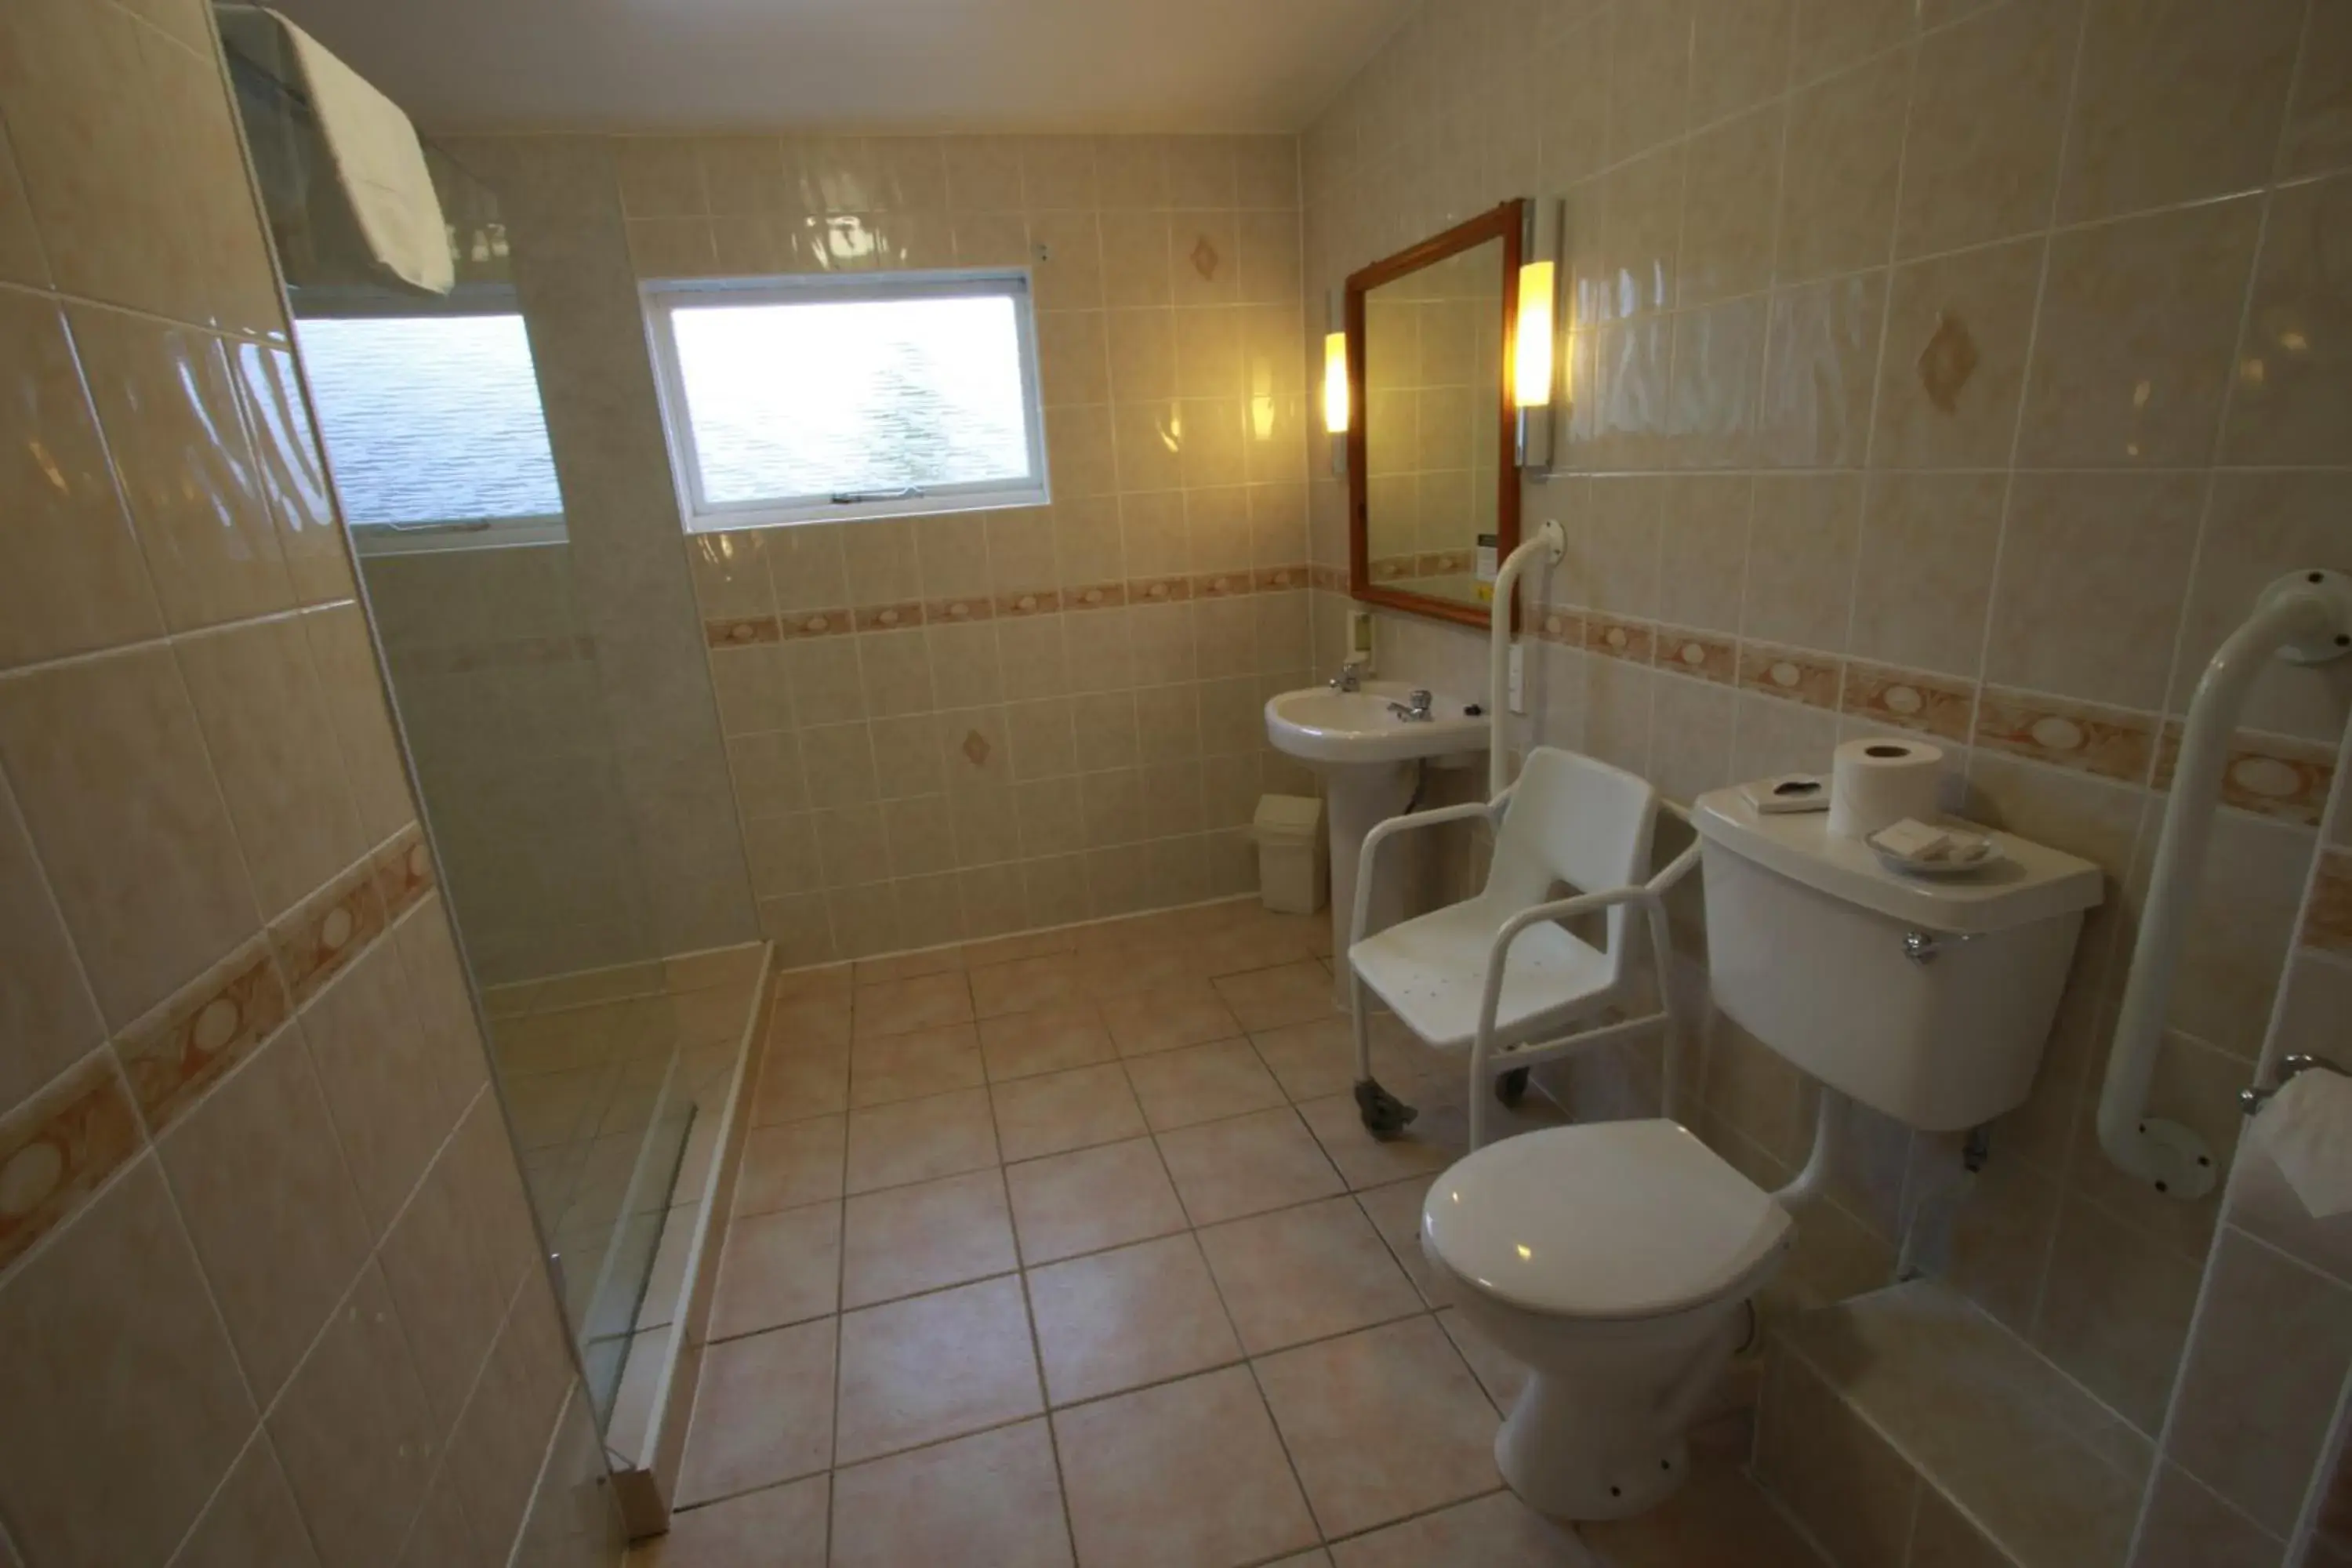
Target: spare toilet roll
(1876, 784)
(2308, 1128)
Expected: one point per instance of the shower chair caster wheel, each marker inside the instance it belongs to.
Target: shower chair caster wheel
(1511, 1088)
(1385, 1116)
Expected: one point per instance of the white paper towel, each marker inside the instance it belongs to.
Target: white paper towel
(1876, 784)
(2308, 1128)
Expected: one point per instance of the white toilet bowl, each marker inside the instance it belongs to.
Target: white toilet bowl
(1614, 1260)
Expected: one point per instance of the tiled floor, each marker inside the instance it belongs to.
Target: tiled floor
(1070, 1249)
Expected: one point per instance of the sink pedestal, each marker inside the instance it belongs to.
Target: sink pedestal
(1371, 755)
(1358, 798)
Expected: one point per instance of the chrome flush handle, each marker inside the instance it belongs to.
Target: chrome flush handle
(1923, 947)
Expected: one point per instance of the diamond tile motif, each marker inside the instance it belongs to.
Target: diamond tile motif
(976, 748)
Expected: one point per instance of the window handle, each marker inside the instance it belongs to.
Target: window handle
(852, 498)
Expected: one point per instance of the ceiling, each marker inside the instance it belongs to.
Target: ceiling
(855, 65)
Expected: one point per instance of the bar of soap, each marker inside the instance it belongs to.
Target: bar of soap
(1911, 840)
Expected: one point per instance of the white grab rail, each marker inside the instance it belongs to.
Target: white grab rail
(1553, 541)
(2304, 616)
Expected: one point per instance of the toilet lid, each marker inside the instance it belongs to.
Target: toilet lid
(1609, 1219)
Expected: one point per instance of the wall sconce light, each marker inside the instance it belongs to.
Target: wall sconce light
(1335, 382)
(1535, 341)
(1532, 345)
(1335, 410)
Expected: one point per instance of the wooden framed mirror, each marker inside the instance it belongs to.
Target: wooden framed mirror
(1430, 451)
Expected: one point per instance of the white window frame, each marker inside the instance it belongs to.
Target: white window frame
(331, 302)
(662, 299)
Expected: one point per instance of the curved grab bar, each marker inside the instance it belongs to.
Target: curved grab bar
(1552, 540)
(2306, 617)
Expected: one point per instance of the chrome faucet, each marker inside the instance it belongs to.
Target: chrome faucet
(1419, 713)
(1349, 678)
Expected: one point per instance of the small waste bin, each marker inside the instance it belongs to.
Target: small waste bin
(1293, 856)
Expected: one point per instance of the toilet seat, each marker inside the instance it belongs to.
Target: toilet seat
(1605, 1221)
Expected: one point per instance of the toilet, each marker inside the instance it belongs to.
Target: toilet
(1616, 1260)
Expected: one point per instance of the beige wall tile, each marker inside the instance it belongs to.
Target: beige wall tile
(111, 776)
(390, 1110)
(1820, 365)
(46, 1008)
(2188, 1527)
(354, 1430)
(261, 1186)
(1649, 73)
(2116, 1313)
(1739, 55)
(2132, 357)
(1958, 328)
(2174, 102)
(265, 722)
(352, 684)
(287, 452)
(2253, 1423)
(120, 132)
(1987, 106)
(168, 404)
(2293, 389)
(116, 1293)
(500, 1441)
(1732, 184)
(1838, 177)
(1802, 545)
(2316, 138)
(1928, 543)
(72, 575)
(21, 260)
(2260, 526)
(251, 1519)
(2092, 572)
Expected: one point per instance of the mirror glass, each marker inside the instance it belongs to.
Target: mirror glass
(1432, 487)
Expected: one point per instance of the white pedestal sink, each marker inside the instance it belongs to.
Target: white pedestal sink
(1370, 757)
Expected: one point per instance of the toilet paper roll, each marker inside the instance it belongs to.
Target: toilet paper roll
(2308, 1128)
(1876, 784)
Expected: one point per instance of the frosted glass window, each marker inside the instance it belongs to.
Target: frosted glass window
(430, 419)
(837, 398)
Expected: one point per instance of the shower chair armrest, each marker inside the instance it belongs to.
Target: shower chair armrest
(1472, 811)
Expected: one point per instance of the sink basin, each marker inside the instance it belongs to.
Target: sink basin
(1325, 727)
(1370, 761)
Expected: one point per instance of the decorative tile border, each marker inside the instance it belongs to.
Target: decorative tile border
(2328, 919)
(804, 623)
(1036, 602)
(2113, 742)
(215, 1021)
(320, 936)
(1910, 700)
(1159, 590)
(1703, 655)
(1330, 579)
(956, 611)
(1632, 641)
(886, 617)
(1096, 596)
(1557, 625)
(1792, 674)
(60, 1147)
(403, 871)
(2270, 775)
(740, 631)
